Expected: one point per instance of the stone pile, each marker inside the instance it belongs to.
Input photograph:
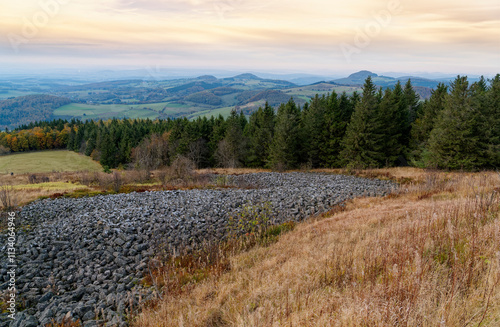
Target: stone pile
(84, 258)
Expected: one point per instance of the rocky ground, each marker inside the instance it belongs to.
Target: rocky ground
(83, 258)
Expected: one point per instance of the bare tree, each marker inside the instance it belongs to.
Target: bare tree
(197, 151)
(152, 153)
(225, 155)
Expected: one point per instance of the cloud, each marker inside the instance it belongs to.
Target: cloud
(256, 32)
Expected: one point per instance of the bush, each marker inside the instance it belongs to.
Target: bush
(181, 169)
(6, 197)
(117, 182)
(33, 179)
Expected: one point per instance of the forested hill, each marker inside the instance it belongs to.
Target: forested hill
(27, 109)
(186, 97)
(457, 128)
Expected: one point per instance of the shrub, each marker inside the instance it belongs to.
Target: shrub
(182, 168)
(6, 197)
(117, 182)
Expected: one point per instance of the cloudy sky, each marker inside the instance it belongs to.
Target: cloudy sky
(315, 36)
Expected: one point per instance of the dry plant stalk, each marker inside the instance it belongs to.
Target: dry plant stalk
(428, 256)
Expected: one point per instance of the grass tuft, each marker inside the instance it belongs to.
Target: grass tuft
(426, 256)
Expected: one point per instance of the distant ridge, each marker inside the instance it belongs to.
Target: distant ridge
(246, 76)
(359, 78)
(362, 75)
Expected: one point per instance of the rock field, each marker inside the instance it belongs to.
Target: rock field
(77, 257)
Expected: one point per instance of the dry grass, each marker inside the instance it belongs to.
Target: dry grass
(22, 191)
(429, 256)
(231, 171)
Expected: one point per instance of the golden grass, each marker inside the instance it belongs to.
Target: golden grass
(63, 182)
(429, 256)
(51, 186)
(23, 192)
(231, 171)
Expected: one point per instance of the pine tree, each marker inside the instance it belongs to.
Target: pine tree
(454, 142)
(363, 142)
(259, 132)
(425, 122)
(412, 103)
(390, 120)
(337, 117)
(492, 129)
(108, 151)
(485, 118)
(285, 146)
(230, 151)
(71, 139)
(410, 107)
(313, 126)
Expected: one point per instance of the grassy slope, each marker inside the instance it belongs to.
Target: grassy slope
(105, 111)
(425, 257)
(46, 161)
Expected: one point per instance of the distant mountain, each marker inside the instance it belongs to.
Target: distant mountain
(385, 81)
(246, 76)
(361, 75)
(243, 77)
(207, 78)
(423, 86)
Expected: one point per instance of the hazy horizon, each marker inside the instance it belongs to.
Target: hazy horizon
(318, 37)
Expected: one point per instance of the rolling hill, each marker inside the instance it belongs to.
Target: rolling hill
(184, 97)
(385, 81)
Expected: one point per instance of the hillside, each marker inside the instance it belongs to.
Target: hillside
(27, 109)
(384, 81)
(46, 161)
(184, 97)
(427, 256)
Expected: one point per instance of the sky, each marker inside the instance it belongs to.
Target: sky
(314, 36)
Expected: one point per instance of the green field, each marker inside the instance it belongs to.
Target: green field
(307, 92)
(11, 93)
(106, 111)
(190, 110)
(225, 112)
(46, 161)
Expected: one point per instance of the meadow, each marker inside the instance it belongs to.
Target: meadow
(106, 111)
(46, 161)
(426, 256)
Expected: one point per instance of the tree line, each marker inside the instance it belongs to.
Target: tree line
(458, 127)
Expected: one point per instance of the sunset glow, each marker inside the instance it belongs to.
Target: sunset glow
(314, 36)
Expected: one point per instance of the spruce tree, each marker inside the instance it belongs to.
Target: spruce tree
(410, 108)
(71, 139)
(363, 142)
(337, 116)
(390, 124)
(285, 146)
(425, 122)
(492, 113)
(313, 127)
(454, 142)
(259, 132)
(230, 151)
